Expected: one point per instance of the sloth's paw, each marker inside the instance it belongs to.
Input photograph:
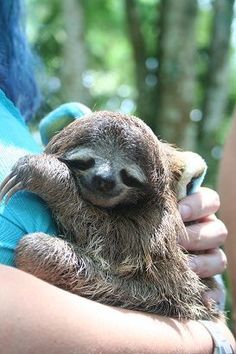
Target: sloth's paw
(18, 179)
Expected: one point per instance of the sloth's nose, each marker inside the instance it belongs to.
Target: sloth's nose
(104, 182)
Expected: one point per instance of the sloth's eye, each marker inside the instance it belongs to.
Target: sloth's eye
(79, 164)
(130, 180)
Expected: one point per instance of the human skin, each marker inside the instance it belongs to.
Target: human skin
(207, 235)
(44, 319)
(227, 193)
(37, 317)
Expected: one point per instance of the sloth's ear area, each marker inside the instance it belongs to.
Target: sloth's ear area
(193, 173)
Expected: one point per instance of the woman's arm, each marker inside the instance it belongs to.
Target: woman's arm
(39, 318)
(227, 190)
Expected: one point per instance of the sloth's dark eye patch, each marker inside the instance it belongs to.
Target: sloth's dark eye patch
(79, 164)
(129, 180)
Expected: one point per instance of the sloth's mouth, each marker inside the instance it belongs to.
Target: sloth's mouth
(104, 200)
(121, 201)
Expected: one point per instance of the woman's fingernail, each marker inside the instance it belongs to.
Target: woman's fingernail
(185, 211)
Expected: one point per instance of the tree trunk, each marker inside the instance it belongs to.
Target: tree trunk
(177, 49)
(75, 59)
(215, 99)
(146, 91)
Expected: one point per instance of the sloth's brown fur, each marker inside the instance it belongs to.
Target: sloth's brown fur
(127, 256)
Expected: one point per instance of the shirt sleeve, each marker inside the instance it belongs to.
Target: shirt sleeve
(10, 233)
(25, 213)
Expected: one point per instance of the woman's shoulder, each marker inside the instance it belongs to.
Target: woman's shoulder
(15, 138)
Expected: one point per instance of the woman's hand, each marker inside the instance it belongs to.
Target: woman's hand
(206, 234)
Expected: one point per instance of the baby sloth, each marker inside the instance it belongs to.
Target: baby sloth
(113, 188)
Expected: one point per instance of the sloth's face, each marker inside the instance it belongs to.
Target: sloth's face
(106, 177)
(117, 161)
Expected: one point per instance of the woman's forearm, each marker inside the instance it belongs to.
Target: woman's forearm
(39, 318)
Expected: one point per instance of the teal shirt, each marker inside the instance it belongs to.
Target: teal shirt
(25, 212)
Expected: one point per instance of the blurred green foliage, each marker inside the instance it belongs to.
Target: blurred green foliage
(109, 74)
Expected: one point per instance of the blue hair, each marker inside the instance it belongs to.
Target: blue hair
(16, 60)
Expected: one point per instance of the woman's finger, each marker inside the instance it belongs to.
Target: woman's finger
(208, 234)
(208, 264)
(199, 205)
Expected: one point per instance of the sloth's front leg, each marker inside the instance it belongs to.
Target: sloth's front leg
(37, 173)
(66, 266)
(51, 259)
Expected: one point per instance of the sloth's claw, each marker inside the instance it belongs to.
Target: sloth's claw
(6, 180)
(13, 190)
(7, 184)
(17, 180)
(10, 186)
